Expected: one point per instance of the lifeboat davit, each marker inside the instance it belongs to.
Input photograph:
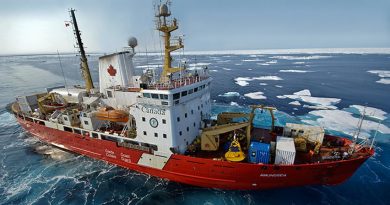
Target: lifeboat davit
(112, 115)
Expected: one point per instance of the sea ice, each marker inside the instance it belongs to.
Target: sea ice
(263, 84)
(384, 74)
(370, 111)
(234, 104)
(230, 94)
(272, 62)
(305, 96)
(256, 95)
(381, 73)
(384, 81)
(294, 71)
(281, 97)
(340, 120)
(304, 92)
(243, 81)
(252, 60)
(300, 57)
(297, 103)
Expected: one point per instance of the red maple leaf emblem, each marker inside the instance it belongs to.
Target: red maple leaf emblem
(111, 70)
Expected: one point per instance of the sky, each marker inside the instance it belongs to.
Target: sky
(37, 26)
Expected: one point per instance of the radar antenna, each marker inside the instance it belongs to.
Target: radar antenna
(167, 27)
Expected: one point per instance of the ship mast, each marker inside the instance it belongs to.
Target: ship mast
(83, 58)
(167, 27)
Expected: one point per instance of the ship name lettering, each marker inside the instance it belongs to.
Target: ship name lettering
(273, 175)
(110, 153)
(125, 158)
(153, 110)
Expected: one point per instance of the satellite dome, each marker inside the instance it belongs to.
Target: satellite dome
(132, 42)
(164, 10)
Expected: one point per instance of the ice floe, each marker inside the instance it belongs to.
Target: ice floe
(263, 84)
(244, 81)
(294, 71)
(252, 60)
(256, 95)
(287, 51)
(230, 94)
(281, 97)
(381, 73)
(272, 62)
(384, 81)
(384, 74)
(262, 64)
(321, 107)
(297, 103)
(315, 102)
(299, 63)
(226, 69)
(314, 57)
(370, 111)
(341, 120)
(304, 92)
(279, 86)
(234, 103)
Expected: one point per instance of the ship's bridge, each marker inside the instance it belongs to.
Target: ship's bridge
(171, 115)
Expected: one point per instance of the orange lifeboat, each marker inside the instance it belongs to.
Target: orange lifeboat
(112, 115)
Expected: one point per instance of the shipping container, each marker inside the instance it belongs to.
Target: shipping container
(259, 153)
(285, 150)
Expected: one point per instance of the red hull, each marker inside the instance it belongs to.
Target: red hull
(199, 171)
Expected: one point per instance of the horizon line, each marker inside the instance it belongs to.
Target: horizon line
(383, 50)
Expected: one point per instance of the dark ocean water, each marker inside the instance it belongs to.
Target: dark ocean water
(32, 173)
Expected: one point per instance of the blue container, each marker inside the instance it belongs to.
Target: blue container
(259, 153)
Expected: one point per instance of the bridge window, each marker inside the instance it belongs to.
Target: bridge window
(95, 135)
(164, 121)
(77, 131)
(185, 115)
(164, 135)
(154, 96)
(190, 91)
(146, 95)
(180, 133)
(143, 119)
(195, 90)
(68, 129)
(163, 97)
(155, 134)
(176, 96)
(184, 93)
(178, 119)
(145, 133)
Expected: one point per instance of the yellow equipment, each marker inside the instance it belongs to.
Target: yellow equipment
(210, 135)
(235, 153)
(50, 102)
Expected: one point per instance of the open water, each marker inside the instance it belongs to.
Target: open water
(340, 86)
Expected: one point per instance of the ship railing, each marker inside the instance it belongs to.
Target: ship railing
(177, 83)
